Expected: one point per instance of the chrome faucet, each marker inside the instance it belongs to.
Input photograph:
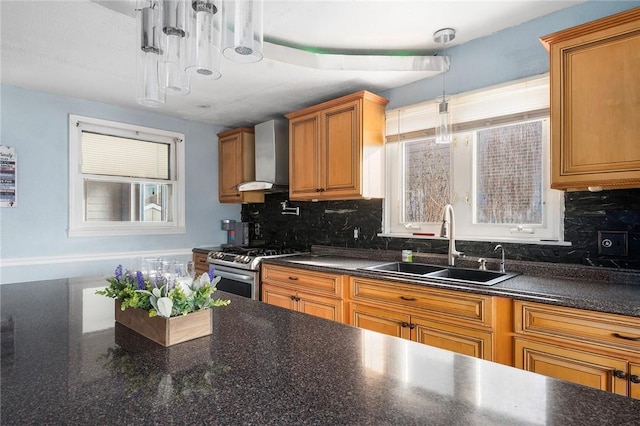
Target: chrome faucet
(448, 231)
(499, 247)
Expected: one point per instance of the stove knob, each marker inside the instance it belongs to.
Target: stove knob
(246, 259)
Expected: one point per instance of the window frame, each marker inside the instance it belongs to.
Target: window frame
(462, 188)
(78, 226)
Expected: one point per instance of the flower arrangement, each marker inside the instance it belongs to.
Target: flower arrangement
(163, 296)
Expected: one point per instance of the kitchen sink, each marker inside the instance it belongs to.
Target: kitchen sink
(461, 275)
(473, 276)
(405, 268)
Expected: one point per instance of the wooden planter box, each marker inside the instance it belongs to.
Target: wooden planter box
(166, 331)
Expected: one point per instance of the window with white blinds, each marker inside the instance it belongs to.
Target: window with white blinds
(495, 173)
(124, 179)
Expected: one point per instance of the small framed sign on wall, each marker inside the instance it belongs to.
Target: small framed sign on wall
(8, 175)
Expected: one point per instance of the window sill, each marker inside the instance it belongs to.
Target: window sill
(484, 239)
(125, 231)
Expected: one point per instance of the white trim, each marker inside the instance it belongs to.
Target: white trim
(93, 257)
(138, 229)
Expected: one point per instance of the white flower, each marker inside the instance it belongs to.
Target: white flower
(165, 305)
(204, 279)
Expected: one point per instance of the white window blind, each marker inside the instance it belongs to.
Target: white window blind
(515, 101)
(116, 156)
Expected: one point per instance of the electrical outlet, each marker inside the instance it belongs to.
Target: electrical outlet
(612, 243)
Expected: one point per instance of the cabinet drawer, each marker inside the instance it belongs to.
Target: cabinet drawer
(461, 306)
(586, 326)
(319, 282)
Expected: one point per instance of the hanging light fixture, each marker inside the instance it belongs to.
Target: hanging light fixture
(173, 78)
(243, 36)
(443, 126)
(180, 39)
(205, 39)
(149, 24)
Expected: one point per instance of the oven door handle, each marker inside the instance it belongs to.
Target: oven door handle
(232, 276)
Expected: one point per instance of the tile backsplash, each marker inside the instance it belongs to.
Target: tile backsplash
(331, 223)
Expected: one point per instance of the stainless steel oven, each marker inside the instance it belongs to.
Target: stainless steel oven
(239, 268)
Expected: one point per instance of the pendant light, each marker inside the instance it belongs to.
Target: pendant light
(173, 78)
(443, 127)
(243, 35)
(149, 24)
(205, 39)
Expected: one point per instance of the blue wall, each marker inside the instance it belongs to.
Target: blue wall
(34, 243)
(507, 55)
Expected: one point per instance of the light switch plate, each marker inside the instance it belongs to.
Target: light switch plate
(613, 243)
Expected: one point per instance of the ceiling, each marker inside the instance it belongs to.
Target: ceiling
(86, 49)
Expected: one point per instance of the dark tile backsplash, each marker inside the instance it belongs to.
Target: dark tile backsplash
(331, 223)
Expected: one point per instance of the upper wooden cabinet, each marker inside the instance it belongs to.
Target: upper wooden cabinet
(336, 149)
(236, 164)
(595, 103)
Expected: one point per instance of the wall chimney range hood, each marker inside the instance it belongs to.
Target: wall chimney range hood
(272, 158)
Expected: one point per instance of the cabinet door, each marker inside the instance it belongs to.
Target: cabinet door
(279, 296)
(340, 166)
(462, 340)
(595, 88)
(304, 151)
(230, 168)
(585, 368)
(323, 307)
(380, 320)
(634, 380)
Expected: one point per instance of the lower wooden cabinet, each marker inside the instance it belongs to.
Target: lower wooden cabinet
(455, 338)
(590, 348)
(319, 306)
(465, 323)
(201, 263)
(577, 366)
(309, 292)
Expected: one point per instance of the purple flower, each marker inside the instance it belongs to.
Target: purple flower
(119, 273)
(211, 272)
(140, 280)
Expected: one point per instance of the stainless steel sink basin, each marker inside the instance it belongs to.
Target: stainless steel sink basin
(461, 275)
(473, 276)
(405, 268)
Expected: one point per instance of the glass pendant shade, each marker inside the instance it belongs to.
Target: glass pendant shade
(205, 39)
(443, 127)
(244, 36)
(173, 78)
(149, 51)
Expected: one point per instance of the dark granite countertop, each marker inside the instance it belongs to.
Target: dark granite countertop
(205, 250)
(589, 288)
(64, 362)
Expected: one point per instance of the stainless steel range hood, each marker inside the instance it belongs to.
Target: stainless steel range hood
(272, 157)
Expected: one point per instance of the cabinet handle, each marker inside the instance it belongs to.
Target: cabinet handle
(410, 299)
(619, 374)
(412, 326)
(634, 378)
(297, 299)
(293, 278)
(293, 297)
(620, 336)
(404, 324)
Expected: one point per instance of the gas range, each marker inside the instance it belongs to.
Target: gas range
(247, 258)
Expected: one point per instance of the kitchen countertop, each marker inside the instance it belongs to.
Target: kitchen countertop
(64, 362)
(573, 287)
